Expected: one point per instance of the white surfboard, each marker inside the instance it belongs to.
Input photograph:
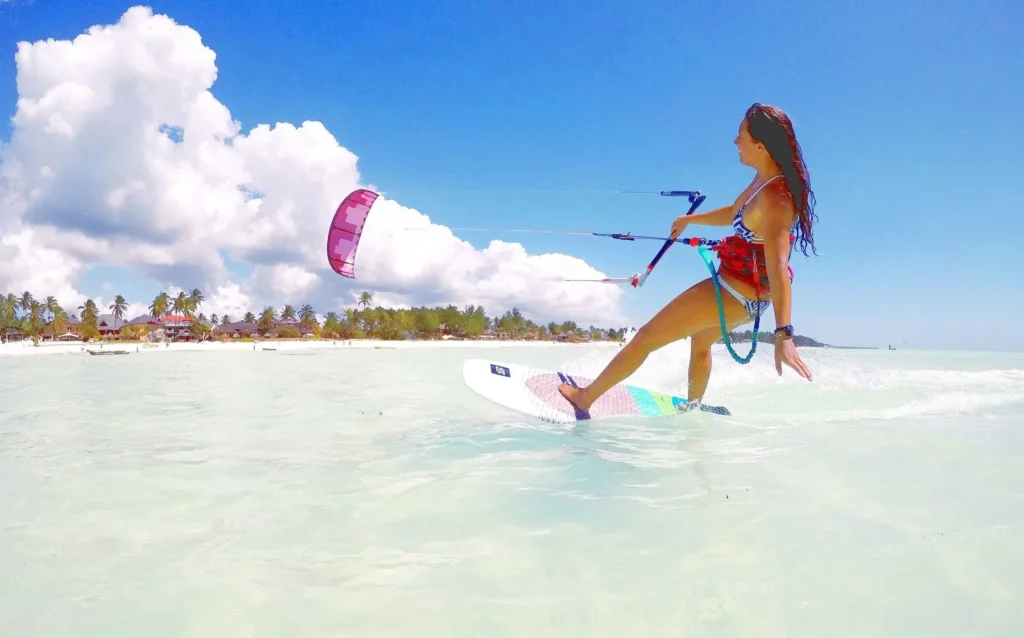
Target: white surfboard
(534, 391)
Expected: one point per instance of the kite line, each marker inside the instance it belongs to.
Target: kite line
(349, 218)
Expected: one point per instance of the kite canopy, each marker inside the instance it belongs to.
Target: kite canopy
(346, 228)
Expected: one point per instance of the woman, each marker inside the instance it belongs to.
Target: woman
(776, 209)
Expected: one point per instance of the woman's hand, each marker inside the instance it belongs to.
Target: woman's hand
(785, 352)
(678, 226)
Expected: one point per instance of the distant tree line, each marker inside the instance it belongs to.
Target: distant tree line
(33, 318)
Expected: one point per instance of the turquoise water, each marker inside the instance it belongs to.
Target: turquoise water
(369, 493)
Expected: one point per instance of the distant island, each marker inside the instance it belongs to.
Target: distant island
(177, 319)
(769, 337)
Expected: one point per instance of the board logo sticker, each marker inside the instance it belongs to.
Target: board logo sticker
(501, 371)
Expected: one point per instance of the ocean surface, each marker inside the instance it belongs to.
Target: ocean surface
(365, 492)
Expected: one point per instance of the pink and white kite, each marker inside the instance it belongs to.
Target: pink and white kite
(346, 228)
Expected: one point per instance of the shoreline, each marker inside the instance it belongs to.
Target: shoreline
(25, 348)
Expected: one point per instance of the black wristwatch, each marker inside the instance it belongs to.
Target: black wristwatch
(784, 331)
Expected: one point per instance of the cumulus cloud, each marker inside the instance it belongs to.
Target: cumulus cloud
(121, 155)
(28, 264)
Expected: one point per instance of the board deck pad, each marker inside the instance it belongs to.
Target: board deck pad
(534, 391)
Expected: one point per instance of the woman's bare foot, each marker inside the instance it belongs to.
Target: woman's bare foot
(574, 396)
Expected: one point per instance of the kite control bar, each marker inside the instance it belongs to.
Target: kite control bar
(637, 280)
(690, 194)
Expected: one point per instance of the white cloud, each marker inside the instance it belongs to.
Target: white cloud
(292, 281)
(228, 299)
(121, 155)
(29, 265)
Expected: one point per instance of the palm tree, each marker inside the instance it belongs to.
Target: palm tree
(307, 317)
(89, 316)
(288, 312)
(198, 328)
(331, 319)
(195, 298)
(267, 319)
(117, 310)
(365, 299)
(59, 323)
(88, 309)
(35, 317)
(160, 305)
(26, 301)
(52, 306)
(8, 307)
(370, 320)
(214, 319)
(181, 305)
(249, 318)
(225, 320)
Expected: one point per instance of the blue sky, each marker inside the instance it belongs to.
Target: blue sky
(909, 114)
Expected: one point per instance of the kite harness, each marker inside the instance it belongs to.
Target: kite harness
(744, 263)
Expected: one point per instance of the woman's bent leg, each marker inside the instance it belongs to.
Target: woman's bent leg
(692, 311)
(700, 358)
(700, 362)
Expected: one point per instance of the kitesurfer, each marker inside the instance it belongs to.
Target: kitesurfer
(773, 211)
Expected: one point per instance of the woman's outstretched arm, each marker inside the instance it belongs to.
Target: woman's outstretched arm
(718, 217)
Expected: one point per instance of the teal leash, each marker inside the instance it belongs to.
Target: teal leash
(705, 254)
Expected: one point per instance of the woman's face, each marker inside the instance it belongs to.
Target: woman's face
(749, 150)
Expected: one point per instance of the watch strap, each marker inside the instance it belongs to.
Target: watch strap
(786, 330)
